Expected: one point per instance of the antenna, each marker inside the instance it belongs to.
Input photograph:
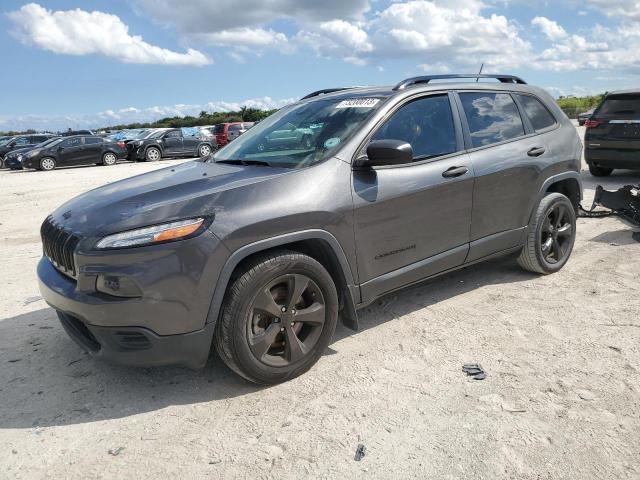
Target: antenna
(480, 72)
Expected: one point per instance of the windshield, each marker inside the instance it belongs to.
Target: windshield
(156, 134)
(625, 107)
(53, 142)
(5, 140)
(300, 135)
(46, 143)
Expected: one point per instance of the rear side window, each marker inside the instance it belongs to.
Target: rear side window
(92, 140)
(625, 107)
(39, 139)
(218, 129)
(22, 141)
(427, 124)
(538, 114)
(492, 117)
(173, 134)
(235, 128)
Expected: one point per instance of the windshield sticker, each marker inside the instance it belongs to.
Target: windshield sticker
(332, 142)
(359, 103)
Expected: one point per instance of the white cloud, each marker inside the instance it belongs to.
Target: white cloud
(78, 32)
(131, 115)
(551, 29)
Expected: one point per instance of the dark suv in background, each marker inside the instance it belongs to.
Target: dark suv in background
(260, 251)
(612, 138)
(170, 143)
(73, 151)
(21, 141)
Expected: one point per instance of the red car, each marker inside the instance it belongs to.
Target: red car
(226, 132)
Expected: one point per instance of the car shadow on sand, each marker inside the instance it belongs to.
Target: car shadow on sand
(46, 380)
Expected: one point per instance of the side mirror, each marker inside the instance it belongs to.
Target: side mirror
(386, 152)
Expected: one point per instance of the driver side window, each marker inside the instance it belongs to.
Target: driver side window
(427, 124)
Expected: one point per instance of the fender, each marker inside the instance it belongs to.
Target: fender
(351, 293)
(543, 190)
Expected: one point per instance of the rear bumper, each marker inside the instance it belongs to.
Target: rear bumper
(613, 158)
(140, 347)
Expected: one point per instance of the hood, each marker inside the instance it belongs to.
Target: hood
(188, 190)
(18, 151)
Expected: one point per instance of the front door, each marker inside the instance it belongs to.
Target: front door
(412, 221)
(71, 151)
(173, 143)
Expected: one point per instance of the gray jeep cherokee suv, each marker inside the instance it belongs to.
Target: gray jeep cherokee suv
(259, 248)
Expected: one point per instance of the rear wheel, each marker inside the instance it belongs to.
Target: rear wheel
(599, 171)
(278, 318)
(47, 164)
(551, 236)
(152, 154)
(109, 159)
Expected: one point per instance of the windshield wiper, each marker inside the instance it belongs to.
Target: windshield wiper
(258, 163)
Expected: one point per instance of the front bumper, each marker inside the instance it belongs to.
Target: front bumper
(167, 323)
(12, 163)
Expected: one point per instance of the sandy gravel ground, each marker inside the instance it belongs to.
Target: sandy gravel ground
(561, 400)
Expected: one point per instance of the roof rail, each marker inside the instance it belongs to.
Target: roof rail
(426, 79)
(324, 92)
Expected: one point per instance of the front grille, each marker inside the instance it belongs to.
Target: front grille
(58, 245)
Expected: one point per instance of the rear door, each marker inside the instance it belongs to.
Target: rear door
(412, 220)
(92, 152)
(507, 157)
(190, 144)
(617, 124)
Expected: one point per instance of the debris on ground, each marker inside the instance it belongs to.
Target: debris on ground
(360, 452)
(474, 370)
(116, 451)
(624, 203)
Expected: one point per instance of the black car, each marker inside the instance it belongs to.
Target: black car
(258, 253)
(78, 150)
(612, 138)
(21, 141)
(13, 159)
(170, 143)
(584, 116)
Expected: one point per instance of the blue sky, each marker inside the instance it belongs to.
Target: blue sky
(93, 63)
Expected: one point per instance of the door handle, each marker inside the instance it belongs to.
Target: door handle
(536, 152)
(455, 172)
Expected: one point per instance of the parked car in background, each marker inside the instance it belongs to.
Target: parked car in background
(21, 141)
(258, 254)
(171, 143)
(70, 133)
(583, 117)
(612, 138)
(132, 144)
(292, 136)
(13, 159)
(227, 132)
(76, 150)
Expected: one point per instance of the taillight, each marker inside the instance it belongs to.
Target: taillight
(121, 144)
(595, 123)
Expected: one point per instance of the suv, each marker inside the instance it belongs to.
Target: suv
(261, 251)
(612, 139)
(21, 141)
(226, 132)
(170, 143)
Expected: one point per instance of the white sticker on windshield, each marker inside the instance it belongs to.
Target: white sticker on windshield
(332, 142)
(359, 103)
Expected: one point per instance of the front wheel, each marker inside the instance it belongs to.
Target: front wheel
(599, 171)
(204, 151)
(278, 318)
(551, 236)
(47, 164)
(152, 154)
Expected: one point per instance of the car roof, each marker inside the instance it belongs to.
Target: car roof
(634, 91)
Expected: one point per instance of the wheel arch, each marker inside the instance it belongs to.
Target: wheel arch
(319, 245)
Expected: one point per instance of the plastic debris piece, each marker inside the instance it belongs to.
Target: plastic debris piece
(360, 452)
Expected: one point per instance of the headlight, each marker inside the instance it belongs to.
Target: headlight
(137, 143)
(166, 232)
(19, 157)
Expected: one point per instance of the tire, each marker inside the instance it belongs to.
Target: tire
(109, 159)
(253, 300)
(551, 236)
(47, 164)
(1, 163)
(599, 171)
(152, 154)
(204, 150)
